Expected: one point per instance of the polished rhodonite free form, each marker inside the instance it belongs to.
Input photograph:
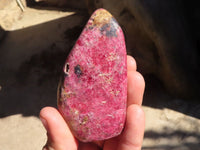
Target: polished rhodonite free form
(92, 95)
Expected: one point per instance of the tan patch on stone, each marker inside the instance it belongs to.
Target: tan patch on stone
(102, 17)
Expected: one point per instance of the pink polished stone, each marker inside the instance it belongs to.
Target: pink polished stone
(92, 96)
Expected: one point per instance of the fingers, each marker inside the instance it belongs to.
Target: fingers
(132, 137)
(59, 135)
(135, 89)
(131, 63)
(136, 84)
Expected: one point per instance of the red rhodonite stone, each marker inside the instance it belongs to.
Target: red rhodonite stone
(92, 96)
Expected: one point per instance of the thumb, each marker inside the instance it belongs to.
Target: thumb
(58, 132)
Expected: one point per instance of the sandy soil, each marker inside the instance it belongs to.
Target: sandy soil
(32, 52)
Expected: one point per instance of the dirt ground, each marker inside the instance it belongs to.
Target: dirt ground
(32, 50)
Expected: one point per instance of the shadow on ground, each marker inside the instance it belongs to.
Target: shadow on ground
(156, 96)
(31, 60)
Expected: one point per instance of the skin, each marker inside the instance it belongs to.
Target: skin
(60, 137)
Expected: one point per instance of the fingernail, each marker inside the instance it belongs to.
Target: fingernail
(44, 122)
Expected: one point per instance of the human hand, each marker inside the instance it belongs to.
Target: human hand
(61, 138)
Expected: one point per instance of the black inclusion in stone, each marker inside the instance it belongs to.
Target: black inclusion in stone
(110, 29)
(77, 70)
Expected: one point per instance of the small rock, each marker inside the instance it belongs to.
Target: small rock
(92, 97)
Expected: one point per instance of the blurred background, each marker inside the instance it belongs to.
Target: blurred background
(36, 36)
